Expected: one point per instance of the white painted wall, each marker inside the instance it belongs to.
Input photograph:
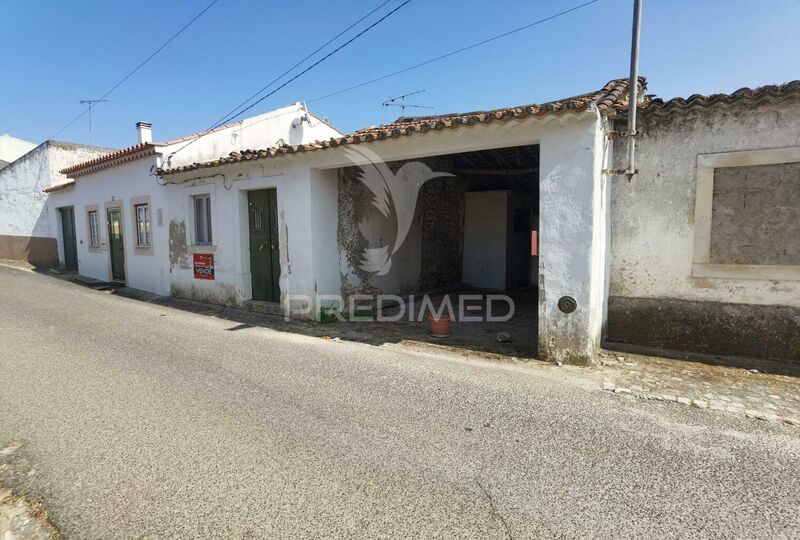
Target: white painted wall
(147, 270)
(257, 132)
(12, 148)
(485, 243)
(653, 216)
(157, 272)
(572, 248)
(22, 202)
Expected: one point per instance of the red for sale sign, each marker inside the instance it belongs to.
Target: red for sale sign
(204, 266)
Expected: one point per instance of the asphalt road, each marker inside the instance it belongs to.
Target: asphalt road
(139, 420)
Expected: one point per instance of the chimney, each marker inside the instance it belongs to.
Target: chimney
(145, 132)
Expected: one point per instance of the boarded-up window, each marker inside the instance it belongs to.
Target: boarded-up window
(756, 215)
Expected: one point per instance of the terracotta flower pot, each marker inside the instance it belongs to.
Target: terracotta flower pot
(440, 326)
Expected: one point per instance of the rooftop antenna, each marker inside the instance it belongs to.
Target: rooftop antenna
(400, 101)
(91, 103)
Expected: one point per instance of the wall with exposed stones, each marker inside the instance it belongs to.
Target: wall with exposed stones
(427, 258)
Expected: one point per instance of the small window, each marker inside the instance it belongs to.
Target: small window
(142, 225)
(202, 220)
(94, 230)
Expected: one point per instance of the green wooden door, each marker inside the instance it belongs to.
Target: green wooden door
(68, 236)
(265, 266)
(116, 246)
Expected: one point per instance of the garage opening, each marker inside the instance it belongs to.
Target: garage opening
(469, 248)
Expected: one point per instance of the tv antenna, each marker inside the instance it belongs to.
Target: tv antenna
(400, 101)
(91, 103)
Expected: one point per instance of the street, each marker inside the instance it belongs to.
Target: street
(132, 419)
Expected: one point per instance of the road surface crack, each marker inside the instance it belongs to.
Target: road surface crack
(494, 510)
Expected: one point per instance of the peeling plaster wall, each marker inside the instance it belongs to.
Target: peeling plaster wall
(430, 256)
(653, 231)
(571, 210)
(572, 239)
(229, 218)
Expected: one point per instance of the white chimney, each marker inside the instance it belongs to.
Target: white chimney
(145, 132)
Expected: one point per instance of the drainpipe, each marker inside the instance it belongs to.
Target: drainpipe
(633, 88)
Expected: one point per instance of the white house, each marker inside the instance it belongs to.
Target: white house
(120, 207)
(26, 231)
(542, 163)
(668, 260)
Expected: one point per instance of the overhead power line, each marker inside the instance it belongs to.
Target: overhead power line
(137, 68)
(295, 77)
(457, 51)
(227, 117)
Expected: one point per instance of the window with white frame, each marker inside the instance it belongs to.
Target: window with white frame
(94, 229)
(747, 215)
(202, 220)
(143, 226)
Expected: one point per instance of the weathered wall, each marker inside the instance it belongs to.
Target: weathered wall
(229, 216)
(441, 232)
(27, 231)
(653, 232)
(572, 215)
(756, 215)
(571, 209)
(429, 257)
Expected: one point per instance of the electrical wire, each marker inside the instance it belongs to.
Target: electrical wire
(230, 115)
(137, 68)
(306, 70)
(452, 53)
(426, 62)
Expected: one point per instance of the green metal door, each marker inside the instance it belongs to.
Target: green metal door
(116, 246)
(265, 265)
(68, 235)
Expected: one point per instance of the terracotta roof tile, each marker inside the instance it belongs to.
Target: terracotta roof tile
(612, 97)
(131, 153)
(745, 96)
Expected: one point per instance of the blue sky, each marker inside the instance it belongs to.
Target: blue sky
(57, 52)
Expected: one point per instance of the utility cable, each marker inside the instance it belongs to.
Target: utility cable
(230, 115)
(137, 68)
(457, 51)
(306, 70)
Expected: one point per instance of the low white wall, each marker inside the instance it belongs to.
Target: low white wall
(485, 228)
(147, 270)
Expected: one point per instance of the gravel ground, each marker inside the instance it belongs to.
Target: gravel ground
(131, 419)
